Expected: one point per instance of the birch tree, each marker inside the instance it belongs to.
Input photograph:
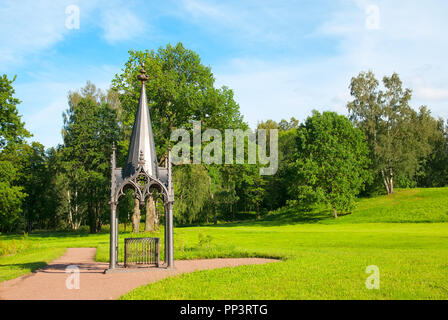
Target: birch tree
(385, 117)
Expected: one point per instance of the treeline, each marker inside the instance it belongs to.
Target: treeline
(328, 159)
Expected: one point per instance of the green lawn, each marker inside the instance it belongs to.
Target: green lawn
(321, 258)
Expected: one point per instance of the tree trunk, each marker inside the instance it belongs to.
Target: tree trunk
(214, 210)
(70, 217)
(136, 216)
(94, 217)
(386, 183)
(76, 210)
(335, 213)
(258, 211)
(391, 181)
(156, 218)
(150, 214)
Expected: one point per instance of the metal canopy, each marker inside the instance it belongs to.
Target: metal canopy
(143, 175)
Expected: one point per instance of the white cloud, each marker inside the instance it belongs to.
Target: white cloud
(45, 98)
(410, 40)
(197, 9)
(121, 24)
(251, 22)
(270, 90)
(42, 106)
(433, 93)
(28, 27)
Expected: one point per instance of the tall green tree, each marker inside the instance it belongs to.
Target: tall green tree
(90, 129)
(255, 189)
(11, 198)
(12, 129)
(276, 186)
(35, 179)
(433, 170)
(386, 118)
(12, 137)
(331, 161)
(180, 89)
(190, 180)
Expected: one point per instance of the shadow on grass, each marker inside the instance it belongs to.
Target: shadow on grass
(282, 218)
(47, 234)
(33, 266)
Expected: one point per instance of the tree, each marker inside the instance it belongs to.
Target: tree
(331, 161)
(276, 186)
(387, 121)
(35, 179)
(433, 169)
(150, 215)
(180, 89)
(255, 189)
(90, 129)
(11, 198)
(192, 188)
(12, 136)
(12, 129)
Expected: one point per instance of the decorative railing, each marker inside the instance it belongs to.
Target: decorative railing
(141, 251)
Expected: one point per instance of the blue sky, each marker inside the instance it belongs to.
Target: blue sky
(282, 58)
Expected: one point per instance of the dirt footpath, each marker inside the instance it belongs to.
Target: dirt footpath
(53, 283)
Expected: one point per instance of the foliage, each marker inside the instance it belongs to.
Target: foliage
(12, 129)
(192, 189)
(433, 171)
(330, 162)
(321, 162)
(11, 198)
(12, 135)
(90, 129)
(180, 89)
(276, 186)
(393, 129)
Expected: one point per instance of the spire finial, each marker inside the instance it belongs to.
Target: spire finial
(143, 77)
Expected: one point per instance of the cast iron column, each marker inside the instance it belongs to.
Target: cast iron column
(113, 235)
(113, 215)
(170, 236)
(117, 225)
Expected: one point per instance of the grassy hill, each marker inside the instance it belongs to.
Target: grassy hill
(322, 258)
(405, 205)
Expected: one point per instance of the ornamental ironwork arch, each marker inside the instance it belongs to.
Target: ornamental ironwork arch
(143, 185)
(142, 174)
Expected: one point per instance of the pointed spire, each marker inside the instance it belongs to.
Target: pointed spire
(142, 149)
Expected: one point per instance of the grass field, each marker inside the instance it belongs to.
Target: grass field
(405, 235)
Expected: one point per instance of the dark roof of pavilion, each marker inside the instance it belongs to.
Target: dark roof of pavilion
(142, 138)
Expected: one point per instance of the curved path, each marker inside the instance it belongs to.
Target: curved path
(51, 281)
